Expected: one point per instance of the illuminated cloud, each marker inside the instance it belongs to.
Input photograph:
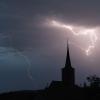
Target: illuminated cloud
(79, 31)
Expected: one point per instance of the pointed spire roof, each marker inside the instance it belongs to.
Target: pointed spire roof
(68, 61)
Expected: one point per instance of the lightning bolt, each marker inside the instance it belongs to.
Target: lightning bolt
(80, 31)
(29, 73)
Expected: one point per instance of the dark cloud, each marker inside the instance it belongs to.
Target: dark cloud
(21, 18)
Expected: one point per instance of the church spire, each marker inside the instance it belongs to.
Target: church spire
(68, 61)
(68, 72)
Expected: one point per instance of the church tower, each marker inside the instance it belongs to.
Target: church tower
(68, 73)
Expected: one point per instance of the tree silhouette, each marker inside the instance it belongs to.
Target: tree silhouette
(94, 81)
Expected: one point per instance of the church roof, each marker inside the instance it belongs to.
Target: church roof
(68, 61)
(56, 84)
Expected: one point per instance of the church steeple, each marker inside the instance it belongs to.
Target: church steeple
(68, 73)
(68, 61)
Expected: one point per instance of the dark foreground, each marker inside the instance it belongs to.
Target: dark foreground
(54, 94)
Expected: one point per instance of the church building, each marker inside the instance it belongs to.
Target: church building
(68, 73)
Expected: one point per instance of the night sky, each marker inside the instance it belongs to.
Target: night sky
(33, 51)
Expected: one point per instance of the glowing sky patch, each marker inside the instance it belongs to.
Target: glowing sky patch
(77, 31)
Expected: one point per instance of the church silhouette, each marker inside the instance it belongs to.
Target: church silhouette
(66, 89)
(68, 73)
